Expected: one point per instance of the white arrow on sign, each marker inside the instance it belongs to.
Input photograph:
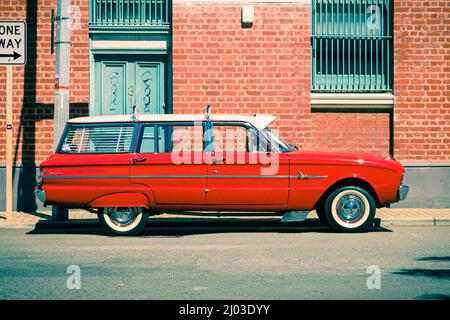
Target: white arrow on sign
(13, 55)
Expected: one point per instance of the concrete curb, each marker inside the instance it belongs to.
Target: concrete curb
(417, 222)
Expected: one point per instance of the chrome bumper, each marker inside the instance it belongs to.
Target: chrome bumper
(40, 194)
(403, 192)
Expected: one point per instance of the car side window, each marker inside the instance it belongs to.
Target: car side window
(97, 138)
(180, 138)
(230, 139)
(238, 138)
(256, 143)
(171, 137)
(148, 140)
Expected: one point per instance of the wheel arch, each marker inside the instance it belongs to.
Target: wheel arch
(358, 182)
(122, 199)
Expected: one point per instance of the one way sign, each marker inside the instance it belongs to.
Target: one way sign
(13, 42)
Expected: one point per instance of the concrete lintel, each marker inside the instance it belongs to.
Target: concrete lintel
(241, 2)
(129, 45)
(352, 100)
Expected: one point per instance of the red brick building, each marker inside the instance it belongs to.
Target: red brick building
(280, 63)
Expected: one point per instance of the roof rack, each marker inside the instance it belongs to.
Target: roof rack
(208, 116)
(135, 113)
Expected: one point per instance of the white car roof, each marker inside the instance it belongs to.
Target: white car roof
(259, 121)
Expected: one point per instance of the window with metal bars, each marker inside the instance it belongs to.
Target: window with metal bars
(123, 13)
(97, 139)
(352, 46)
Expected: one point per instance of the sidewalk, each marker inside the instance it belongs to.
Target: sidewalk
(389, 217)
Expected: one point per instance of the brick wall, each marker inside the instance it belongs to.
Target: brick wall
(262, 69)
(422, 80)
(33, 87)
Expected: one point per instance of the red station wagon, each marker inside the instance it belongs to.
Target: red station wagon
(127, 167)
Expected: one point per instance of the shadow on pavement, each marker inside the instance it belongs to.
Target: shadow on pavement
(433, 273)
(38, 214)
(433, 297)
(427, 272)
(437, 259)
(191, 226)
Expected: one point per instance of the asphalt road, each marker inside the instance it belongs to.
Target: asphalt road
(239, 260)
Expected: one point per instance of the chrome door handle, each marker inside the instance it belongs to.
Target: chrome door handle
(218, 161)
(140, 159)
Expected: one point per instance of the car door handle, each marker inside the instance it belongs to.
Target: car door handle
(139, 159)
(218, 161)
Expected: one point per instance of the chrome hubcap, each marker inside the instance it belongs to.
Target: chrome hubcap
(350, 208)
(122, 216)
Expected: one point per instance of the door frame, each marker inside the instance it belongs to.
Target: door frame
(161, 49)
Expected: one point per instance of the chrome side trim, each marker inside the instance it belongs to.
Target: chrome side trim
(301, 176)
(312, 177)
(83, 177)
(167, 177)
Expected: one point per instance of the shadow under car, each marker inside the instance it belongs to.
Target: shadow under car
(190, 226)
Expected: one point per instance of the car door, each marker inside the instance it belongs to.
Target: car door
(243, 175)
(169, 162)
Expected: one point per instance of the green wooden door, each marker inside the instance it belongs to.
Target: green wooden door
(122, 83)
(149, 80)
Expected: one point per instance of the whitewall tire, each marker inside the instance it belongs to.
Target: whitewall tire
(350, 209)
(122, 221)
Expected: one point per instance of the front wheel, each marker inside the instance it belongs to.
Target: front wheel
(122, 221)
(350, 209)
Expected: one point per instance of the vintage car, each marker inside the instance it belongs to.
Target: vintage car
(127, 167)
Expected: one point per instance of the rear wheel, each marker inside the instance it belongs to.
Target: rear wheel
(350, 209)
(122, 221)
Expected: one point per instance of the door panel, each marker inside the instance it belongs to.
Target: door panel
(173, 169)
(243, 180)
(113, 85)
(240, 174)
(180, 184)
(149, 87)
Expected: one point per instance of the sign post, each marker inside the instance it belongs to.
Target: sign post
(13, 43)
(9, 149)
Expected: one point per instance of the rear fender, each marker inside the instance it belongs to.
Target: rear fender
(122, 199)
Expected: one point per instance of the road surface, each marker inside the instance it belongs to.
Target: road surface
(239, 260)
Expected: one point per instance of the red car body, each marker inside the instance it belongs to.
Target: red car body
(151, 181)
(115, 181)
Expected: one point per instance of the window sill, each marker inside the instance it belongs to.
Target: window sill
(352, 100)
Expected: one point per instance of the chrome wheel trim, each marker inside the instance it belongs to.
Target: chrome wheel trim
(350, 209)
(122, 219)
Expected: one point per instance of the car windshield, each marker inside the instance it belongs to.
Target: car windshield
(276, 140)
